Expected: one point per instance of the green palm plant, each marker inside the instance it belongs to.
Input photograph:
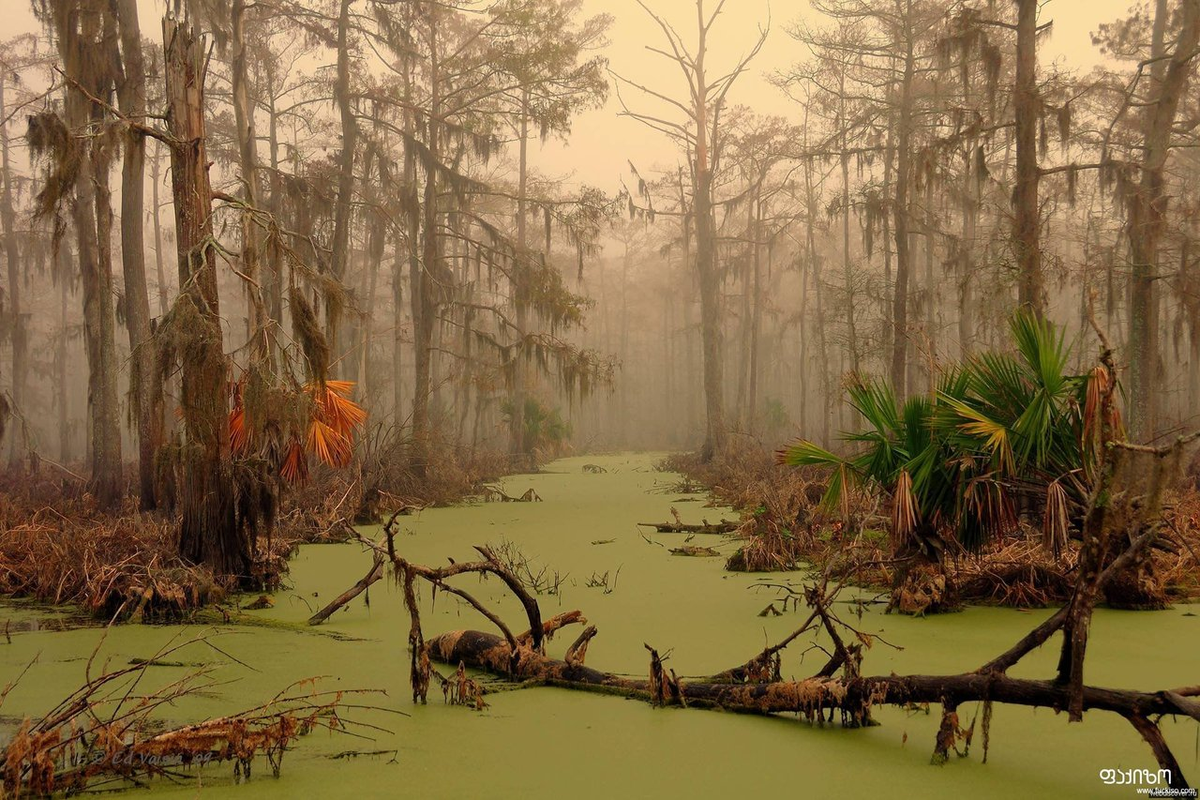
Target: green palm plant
(544, 427)
(1000, 427)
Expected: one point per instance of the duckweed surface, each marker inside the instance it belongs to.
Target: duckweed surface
(551, 742)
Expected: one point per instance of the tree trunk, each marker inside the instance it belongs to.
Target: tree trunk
(210, 533)
(345, 195)
(742, 357)
(247, 141)
(520, 448)
(424, 277)
(930, 293)
(1030, 286)
(756, 320)
(164, 296)
(399, 262)
(274, 254)
(20, 338)
(61, 353)
(706, 265)
(411, 255)
(1147, 215)
(812, 200)
(889, 153)
(900, 213)
(847, 269)
(78, 36)
(147, 400)
(966, 255)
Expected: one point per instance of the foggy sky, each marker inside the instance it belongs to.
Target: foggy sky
(602, 143)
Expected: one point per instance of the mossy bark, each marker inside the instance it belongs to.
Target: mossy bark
(210, 533)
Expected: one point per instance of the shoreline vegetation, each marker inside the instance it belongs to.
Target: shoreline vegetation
(766, 492)
(59, 547)
(784, 526)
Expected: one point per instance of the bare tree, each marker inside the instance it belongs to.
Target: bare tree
(697, 136)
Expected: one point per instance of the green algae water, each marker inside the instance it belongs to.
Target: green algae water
(546, 742)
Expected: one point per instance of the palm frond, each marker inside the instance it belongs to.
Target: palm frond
(904, 510)
(1055, 518)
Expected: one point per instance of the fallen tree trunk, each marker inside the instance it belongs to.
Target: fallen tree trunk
(854, 697)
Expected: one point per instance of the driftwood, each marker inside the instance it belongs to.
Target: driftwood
(1122, 522)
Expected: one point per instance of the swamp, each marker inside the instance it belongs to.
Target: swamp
(625, 398)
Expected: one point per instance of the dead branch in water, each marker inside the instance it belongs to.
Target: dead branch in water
(105, 734)
(373, 575)
(494, 494)
(722, 527)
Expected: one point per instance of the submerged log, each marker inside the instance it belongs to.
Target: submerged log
(722, 527)
(695, 551)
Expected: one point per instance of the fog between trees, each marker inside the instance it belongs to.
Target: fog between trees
(876, 196)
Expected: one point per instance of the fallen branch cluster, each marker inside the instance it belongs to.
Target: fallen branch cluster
(106, 734)
(838, 691)
(494, 494)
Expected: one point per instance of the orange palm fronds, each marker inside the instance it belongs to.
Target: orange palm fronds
(239, 434)
(335, 416)
(295, 464)
(328, 436)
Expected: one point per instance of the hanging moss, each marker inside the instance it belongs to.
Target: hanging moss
(308, 333)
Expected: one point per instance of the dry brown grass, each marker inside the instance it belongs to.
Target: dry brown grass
(57, 546)
(1179, 567)
(384, 478)
(782, 522)
(1022, 573)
